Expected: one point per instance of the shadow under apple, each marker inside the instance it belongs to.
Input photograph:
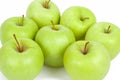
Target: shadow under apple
(49, 73)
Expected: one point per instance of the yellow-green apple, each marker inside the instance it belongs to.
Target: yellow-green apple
(43, 11)
(54, 40)
(108, 34)
(21, 59)
(85, 60)
(78, 19)
(23, 27)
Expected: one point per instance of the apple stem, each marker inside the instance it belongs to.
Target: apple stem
(85, 50)
(20, 48)
(108, 29)
(83, 19)
(21, 23)
(53, 26)
(46, 4)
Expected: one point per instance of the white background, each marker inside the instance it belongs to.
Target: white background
(105, 10)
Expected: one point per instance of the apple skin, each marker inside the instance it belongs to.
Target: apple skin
(21, 66)
(92, 66)
(71, 18)
(10, 27)
(110, 40)
(41, 15)
(53, 43)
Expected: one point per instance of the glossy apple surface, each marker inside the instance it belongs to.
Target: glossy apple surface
(23, 28)
(90, 63)
(25, 65)
(43, 15)
(53, 42)
(108, 34)
(78, 19)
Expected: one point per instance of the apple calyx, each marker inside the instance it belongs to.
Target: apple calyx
(21, 22)
(46, 4)
(108, 29)
(83, 19)
(85, 49)
(20, 48)
(53, 26)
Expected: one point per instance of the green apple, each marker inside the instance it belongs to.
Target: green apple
(108, 34)
(78, 19)
(21, 59)
(22, 26)
(42, 12)
(85, 60)
(54, 40)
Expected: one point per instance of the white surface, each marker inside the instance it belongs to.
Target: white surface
(105, 10)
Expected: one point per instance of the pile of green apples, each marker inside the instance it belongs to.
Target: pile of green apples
(73, 40)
